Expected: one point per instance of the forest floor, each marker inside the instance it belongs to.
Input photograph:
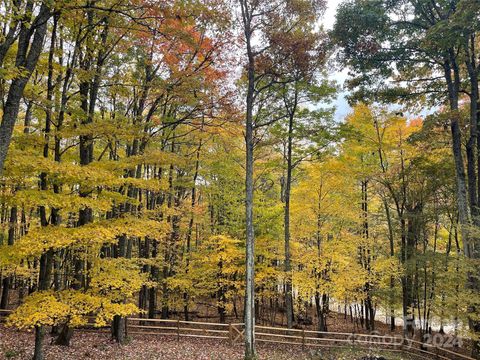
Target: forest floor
(18, 345)
(97, 345)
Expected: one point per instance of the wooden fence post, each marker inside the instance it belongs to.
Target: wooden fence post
(178, 330)
(303, 339)
(230, 333)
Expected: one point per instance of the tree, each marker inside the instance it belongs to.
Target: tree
(29, 33)
(108, 153)
(416, 56)
(301, 86)
(272, 23)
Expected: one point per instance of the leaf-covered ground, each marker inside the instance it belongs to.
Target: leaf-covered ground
(96, 345)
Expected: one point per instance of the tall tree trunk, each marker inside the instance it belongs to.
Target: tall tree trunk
(250, 352)
(473, 151)
(6, 283)
(190, 226)
(392, 254)
(28, 53)
(321, 305)
(169, 248)
(366, 259)
(39, 335)
(152, 291)
(288, 185)
(46, 259)
(389, 223)
(154, 270)
(249, 305)
(453, 84)
(407, 296)
(452, 78)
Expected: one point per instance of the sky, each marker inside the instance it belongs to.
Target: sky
(329, 17)
(339, 75)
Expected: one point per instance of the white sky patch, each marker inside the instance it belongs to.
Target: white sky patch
(329, 17)
(340, 103)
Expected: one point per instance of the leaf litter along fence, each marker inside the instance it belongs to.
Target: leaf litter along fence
(233, 333)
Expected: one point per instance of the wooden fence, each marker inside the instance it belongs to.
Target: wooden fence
(233, 333)
(299, 337)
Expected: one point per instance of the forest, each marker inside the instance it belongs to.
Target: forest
(197, 160)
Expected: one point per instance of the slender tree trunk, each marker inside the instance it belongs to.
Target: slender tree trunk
(392, 254)
(366, 259)
(249, 312)
(46, 259)
(145, 251)
(221, 299)
(39, 335)
(464, 213)
(119, 322)
(453, 85)
(152, 291)
(154, 270)
(473, 153)
(250, 237)
(6, 283)
(288, 267)
(190, 227)
(390, 225)
(321, 305)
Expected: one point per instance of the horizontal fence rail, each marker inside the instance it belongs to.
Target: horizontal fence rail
(4, 313)
(233, 333)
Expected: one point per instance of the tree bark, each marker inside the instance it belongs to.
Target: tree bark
(190, 226)
(6, 283)
(28, 53)
(39, 336)
(249, 311)
(288, 185)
